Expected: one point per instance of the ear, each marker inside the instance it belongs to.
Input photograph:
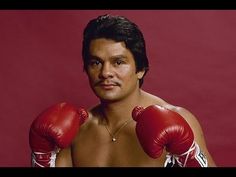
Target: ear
(140, 74)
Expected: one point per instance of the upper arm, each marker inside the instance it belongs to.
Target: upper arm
(64, 158)
(198, 133)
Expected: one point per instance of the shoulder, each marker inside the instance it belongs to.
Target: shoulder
(189, 117)
(91, 123)
(148, 99)
(185, 113)
(94, 115)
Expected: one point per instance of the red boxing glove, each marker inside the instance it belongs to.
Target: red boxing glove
(53, 129)
(158, 128)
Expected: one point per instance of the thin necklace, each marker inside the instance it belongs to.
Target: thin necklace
(113, 135)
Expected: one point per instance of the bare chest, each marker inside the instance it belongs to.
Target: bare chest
(96, 149)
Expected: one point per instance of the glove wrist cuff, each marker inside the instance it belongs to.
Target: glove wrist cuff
(191, 158)
(44, 159)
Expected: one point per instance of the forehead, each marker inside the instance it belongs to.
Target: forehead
(109, 47)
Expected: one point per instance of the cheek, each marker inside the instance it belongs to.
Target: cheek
(127, 73)
(92, 76)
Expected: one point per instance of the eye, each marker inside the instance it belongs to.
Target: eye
(94, 62)
(119, 61)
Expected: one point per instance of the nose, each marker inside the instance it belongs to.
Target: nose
(106, 71)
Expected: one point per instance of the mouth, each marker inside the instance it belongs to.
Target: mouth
(107, 86)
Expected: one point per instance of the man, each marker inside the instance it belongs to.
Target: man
(115, 61)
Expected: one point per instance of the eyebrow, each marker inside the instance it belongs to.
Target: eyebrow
(112, 57)
(118, 56)
(93, 57)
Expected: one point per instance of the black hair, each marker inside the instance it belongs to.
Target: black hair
(117, 28)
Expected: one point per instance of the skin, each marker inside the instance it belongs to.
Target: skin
(113, 78)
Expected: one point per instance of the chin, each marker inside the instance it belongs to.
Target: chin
(108, 98)
(107, 95)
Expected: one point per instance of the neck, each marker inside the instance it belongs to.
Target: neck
(120, 111)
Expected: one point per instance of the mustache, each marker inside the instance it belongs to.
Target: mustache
(107, 82)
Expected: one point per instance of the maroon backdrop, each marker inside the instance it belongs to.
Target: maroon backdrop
(192, 64)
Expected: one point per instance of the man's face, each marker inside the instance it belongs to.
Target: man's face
(111, 70)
